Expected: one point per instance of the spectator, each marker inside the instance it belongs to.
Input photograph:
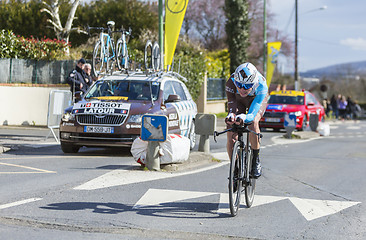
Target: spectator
(327, 106)
(76, 78)
(350, 109)
(334, 104)
(342, 107)
(88, 79)
(358, 111)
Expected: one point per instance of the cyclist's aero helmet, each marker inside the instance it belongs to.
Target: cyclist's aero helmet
(246, 75)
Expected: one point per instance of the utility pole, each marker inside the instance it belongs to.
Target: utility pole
(264, 39)
(161, 33)
(296, 48)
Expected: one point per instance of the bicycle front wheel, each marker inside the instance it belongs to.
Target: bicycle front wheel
(249, 186)
(98, 59)
(235, 182)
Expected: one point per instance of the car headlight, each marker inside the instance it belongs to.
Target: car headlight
(67, 117)
(298, 113)
(135, 118)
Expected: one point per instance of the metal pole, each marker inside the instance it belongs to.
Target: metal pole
(161, 32)
(264, 38)
(296, 47)
(10, 69)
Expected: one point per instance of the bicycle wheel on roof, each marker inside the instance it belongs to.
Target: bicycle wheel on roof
(98, 60)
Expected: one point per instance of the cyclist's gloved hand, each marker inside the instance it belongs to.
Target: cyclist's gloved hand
(240, 118)
(230, 118)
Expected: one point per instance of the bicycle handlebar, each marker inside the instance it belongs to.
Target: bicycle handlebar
(238, 128)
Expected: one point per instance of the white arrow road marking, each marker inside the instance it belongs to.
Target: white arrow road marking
(310, 208)
(8, 205)
(123, 177)
(155, 197)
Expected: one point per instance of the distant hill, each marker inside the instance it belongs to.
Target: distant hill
(339, 70)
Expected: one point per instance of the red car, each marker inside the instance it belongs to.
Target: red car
(300, 103)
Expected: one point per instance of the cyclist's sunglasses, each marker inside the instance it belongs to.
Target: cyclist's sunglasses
(242, 85)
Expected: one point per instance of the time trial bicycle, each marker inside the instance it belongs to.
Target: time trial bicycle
(240, 178)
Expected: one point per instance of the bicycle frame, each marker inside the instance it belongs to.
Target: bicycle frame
(106, 44)
(245, 160)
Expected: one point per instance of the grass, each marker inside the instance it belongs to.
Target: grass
(221, 115)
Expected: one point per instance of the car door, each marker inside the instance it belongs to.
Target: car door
(186, 108)
(170, 109)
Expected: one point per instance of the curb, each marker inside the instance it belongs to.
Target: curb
(195, 160)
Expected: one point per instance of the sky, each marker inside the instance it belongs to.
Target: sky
(326, 37)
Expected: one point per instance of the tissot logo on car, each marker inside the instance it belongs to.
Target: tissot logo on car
(101, 105)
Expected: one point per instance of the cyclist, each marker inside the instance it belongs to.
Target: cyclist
(246, 88)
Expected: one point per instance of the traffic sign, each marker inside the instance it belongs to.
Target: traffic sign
(290, 120)
(154, 128)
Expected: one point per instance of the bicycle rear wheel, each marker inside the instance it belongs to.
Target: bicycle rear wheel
(235, 183)
(122, 55)
(98, 59)
(249, 186)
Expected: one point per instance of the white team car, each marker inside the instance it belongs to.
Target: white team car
(110, 113)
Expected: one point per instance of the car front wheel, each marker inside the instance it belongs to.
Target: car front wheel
(304, 123)
(69, 148)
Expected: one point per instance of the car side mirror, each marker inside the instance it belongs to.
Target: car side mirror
(173, 98)
(311, 103)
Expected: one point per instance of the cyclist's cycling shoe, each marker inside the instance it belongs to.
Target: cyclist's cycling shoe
(256, 169)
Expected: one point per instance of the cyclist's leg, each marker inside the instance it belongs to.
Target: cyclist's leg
(230, 140)
(254, 140)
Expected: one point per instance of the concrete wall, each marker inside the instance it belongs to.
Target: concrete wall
(213, 106)
(20, 105)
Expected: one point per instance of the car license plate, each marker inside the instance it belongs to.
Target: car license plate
(95, 129)
(272, 119)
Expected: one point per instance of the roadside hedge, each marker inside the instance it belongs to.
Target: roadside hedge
(12, 46)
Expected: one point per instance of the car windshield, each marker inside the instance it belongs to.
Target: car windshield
(280, 99)
(124, 90)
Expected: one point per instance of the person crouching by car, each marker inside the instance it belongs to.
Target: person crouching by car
(76, 78)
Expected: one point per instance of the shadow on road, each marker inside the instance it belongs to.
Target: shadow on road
(195, 210)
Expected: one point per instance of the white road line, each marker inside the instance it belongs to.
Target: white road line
(124, 177)
(13, 204)
(354, 127)
(26, 167)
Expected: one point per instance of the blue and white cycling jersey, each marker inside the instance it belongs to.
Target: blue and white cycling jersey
(259, 92)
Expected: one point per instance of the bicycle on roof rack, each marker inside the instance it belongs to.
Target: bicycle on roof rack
(122, 50)
(104, 50)
(240, 178)
(106, 54)
(152, 57)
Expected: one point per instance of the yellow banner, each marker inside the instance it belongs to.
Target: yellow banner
(273, 49)
(174, 15)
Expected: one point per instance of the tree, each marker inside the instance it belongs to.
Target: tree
(53, 9)
(23, 17)
(237, 31)
(206, 21)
